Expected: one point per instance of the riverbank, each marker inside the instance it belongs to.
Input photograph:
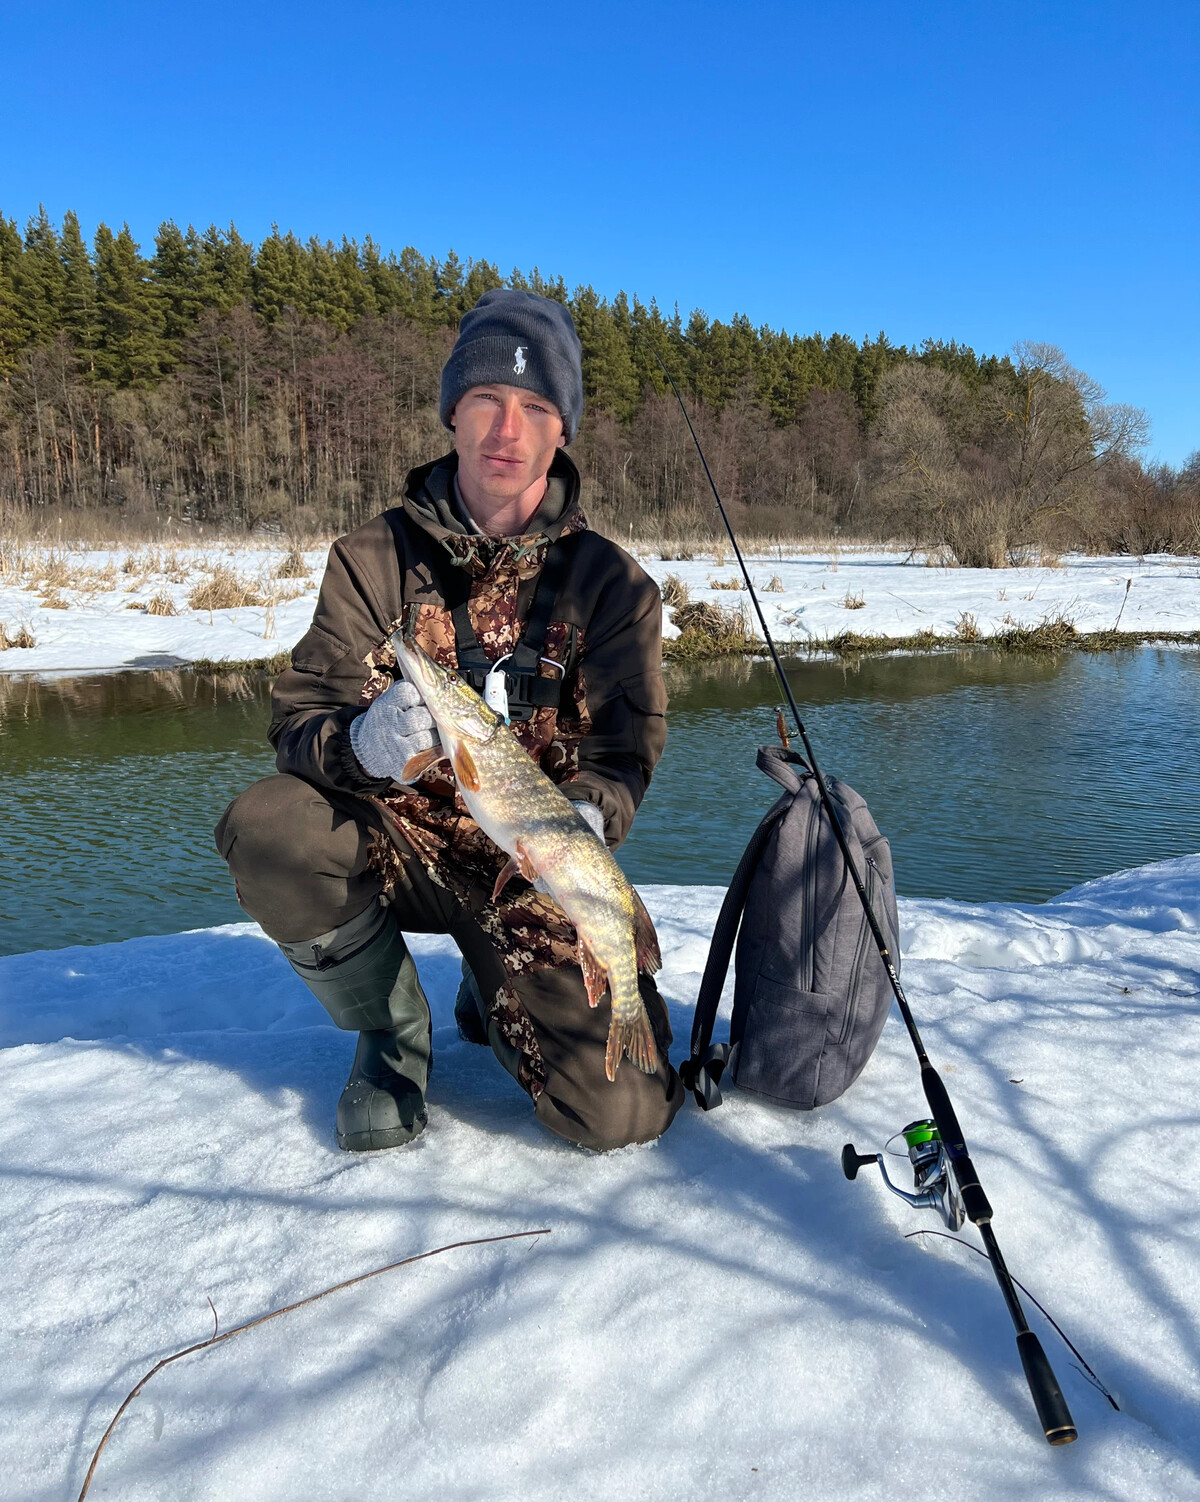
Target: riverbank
(95, 610)
(720, 1314)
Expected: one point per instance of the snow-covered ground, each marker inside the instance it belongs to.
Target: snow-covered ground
(808, 597)
(720, 1315)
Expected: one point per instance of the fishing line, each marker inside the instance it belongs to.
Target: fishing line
(1084, 1369)
(1055, 1416)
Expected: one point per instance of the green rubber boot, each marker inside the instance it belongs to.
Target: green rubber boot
(364, 977)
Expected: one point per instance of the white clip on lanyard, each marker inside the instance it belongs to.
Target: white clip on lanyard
(495, 688)
(495, 685)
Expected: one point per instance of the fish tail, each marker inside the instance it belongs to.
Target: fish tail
(632, 1036)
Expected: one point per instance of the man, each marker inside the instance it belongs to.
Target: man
(489, 562)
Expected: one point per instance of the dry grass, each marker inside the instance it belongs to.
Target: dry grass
(1051, 634)
(677, 554)
(853, 602)
(224, 590)
(726, 584)
(161, 604)
(54, 601)
(966, 628)
(675, 592)
(774, 586)
(293, 565)
(707, 630)
(23, 637)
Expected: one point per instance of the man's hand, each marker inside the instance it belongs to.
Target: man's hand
(396, 728)
(591, 816)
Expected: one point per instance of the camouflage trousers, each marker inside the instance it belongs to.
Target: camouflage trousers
(306, 860)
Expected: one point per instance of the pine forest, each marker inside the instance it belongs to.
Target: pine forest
(290, 386)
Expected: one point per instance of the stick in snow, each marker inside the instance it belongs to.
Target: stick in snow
(216, 1338)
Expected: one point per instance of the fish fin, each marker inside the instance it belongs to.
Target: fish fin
(649, 956)
(524, 863)
(465, 769)
(595, 977)
(421, 762)
(512, 869)
(635, 1038)
(519, 864)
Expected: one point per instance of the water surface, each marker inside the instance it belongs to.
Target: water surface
(996, 778)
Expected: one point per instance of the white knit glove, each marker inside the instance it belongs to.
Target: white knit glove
(591, 816)
(394, 729)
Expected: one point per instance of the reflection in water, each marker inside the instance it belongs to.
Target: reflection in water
(996, 778)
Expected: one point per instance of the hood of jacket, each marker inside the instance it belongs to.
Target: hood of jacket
(430, 501)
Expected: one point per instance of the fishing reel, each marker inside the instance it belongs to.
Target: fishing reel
(932, 1179)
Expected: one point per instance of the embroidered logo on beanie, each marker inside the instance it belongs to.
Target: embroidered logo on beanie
(519, 367)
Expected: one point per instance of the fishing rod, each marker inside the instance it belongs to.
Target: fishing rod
(1052, 1410)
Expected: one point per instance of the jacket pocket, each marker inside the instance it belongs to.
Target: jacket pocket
(646, 692)
(317, 651)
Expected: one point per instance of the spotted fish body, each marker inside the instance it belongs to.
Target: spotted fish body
(521, 810)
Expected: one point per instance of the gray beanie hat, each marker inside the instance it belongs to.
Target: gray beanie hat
(512, 338)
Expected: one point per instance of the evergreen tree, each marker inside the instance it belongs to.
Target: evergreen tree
(609, 378)
(40, 281)
(279, 277)
(175, 268)
(358, 293)
(130, 349)
(448, 277)
(12, 329)
(872, 362)
(326, 294)
(417, 288)
(79, 290)
(224, 276)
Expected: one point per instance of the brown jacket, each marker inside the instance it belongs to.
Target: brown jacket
(607, 620)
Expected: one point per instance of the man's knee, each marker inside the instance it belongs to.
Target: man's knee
(275, 822)
(634, 1108)
(296, 858)
(579, 1101)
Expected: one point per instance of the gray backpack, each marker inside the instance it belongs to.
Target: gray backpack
(811, 993)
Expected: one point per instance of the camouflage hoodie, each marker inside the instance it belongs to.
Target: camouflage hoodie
(605, 738)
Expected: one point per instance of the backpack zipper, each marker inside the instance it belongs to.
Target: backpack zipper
(864, 935)
(810, 896)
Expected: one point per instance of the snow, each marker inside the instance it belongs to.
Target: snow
(900, 596)
(719, 1315)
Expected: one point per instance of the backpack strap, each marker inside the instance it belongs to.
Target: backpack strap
(701, 1072)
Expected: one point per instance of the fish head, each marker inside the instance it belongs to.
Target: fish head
(458, 710)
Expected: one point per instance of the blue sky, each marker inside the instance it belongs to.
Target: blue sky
(975, 171)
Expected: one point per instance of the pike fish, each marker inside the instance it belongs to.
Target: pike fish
(521, 810)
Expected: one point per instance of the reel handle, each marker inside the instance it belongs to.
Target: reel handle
(852, 1161)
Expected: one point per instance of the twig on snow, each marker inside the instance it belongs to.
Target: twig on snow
(216, 1337)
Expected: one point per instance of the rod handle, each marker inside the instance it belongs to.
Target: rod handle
(1052, 1410)
(975, 1201)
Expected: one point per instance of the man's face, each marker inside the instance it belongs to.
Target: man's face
(506, 438)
